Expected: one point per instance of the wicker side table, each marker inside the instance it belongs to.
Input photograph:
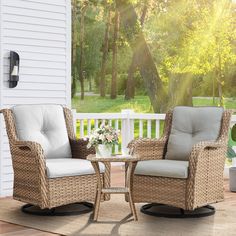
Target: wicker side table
(127, 189)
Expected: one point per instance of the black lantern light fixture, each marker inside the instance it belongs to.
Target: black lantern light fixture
(14, 69)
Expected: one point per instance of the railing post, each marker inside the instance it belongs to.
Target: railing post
(127, 130)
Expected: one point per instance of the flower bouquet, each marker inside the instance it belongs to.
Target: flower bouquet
(103, 138)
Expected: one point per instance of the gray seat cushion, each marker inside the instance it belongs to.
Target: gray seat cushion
(70, 167)
(163, 168)
(44, 124)
(191, 125)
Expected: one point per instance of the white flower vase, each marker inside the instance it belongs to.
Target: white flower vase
(103, 150)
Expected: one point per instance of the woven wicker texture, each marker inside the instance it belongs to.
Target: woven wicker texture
(31, 184)
(204, 184)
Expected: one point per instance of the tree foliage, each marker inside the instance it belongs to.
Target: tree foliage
(192, 44)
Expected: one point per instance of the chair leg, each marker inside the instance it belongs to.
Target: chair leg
(97, 205)
(161, 210)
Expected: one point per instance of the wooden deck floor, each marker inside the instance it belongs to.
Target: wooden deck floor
(7, 229)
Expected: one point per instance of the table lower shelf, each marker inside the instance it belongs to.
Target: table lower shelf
(115, 190)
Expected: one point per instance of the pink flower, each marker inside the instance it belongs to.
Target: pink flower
(109, 137)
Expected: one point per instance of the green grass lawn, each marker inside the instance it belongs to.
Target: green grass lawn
(230, 103)
(141, 104)
(96, 104)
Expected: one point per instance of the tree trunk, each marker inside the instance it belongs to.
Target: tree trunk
(81, 64)
(213, 89)
(130, 85)
(145, 61)
(219, 74)
(220, 92)
(90, 84)
(105, 55)
(180, 90)
(220, 83)
(74, 46)
(114, 56)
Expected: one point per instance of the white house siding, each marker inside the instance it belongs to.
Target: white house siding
(39, 31)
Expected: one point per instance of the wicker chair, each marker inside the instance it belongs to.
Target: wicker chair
(200, 178)
(32, 181)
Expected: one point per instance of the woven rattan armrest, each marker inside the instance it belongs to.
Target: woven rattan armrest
(201, 146)
(28, 152)
(79, 148)
(210, 144)
(28, 146)
(200, 154)
(146, 148)
(29, 166)
(200, 149)
(206, 165)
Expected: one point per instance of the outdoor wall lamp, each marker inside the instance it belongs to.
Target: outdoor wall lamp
(14, 69)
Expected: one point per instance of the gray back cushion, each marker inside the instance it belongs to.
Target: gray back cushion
(191, 125)
(44, 124)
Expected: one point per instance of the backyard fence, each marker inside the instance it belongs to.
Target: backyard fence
(132, 125)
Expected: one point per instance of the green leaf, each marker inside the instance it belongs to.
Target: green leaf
(231, 153)
(233, 133)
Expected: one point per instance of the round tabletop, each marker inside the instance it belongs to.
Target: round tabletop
(112, 158)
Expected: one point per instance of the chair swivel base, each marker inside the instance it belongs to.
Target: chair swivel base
(161, 210)
(67, 210)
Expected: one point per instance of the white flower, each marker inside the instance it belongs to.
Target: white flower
(101, 137)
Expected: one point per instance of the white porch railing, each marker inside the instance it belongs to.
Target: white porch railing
(131, 124)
